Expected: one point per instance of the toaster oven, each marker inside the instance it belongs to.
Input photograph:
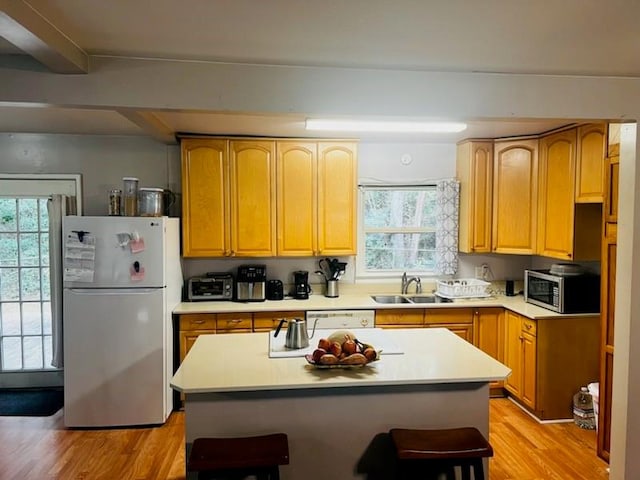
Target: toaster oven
(212, 286)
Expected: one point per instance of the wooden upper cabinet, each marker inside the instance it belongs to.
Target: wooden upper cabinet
(474, 170)
(590, 167)
(252, 182)
(337, 202)
(205, 212)
(556, 194)
(515, 196)
(262, 197)
(297, 198)
(566, 229)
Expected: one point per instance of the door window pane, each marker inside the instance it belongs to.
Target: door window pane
(46, 318)
(29, 249)
(11, 353)
(32, 352)
(8, 215)
(30, 284)
(28, 214)
(31, 319)
(10, 318)
(9, 284)
(8, 250)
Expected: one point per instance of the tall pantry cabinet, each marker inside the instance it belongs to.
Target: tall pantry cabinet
(607, 285)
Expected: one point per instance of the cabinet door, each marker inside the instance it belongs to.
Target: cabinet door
(188, 338)
(337, 186)
(267, 321)
(489, 331)
(529, 370)
(513, 352)
(590, 166)
(611, 198)
(556, 195)
(488, 335)
(205, 209)
(515, 196)
(234, 323)
(297, 199)
(608, 301)
(440, 316)
(399, 318)
(464, 331)
(253, 198)
(474, 170)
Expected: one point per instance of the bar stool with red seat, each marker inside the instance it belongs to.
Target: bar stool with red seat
(420, 452)
(239, 457)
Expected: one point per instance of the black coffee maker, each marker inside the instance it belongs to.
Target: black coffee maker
(301, 287)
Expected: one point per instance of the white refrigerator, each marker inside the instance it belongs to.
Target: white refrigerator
(122, 279)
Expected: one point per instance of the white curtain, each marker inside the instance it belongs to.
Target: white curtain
(56, 207)
(447, 206)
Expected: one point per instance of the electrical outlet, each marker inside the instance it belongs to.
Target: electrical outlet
(479, 272)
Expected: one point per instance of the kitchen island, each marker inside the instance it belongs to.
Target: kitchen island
(336, 419)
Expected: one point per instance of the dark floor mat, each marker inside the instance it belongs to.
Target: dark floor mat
(30, 402)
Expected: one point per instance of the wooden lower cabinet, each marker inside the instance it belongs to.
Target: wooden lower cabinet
(267, 321)
(550, 360)
(458, 320)
(488, 336)
(400, 318)
(191, 327)
(234, 323)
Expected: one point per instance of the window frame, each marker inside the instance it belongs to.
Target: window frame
(361, 272)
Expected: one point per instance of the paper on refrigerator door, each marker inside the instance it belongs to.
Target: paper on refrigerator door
(79, 257)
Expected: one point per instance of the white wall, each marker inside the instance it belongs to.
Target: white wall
(101, 160)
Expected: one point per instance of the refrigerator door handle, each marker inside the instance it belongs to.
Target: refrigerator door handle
(114, 291)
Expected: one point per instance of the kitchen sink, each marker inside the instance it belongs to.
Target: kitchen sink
(423, 299)
(428, 299)
(410, 299)
(390, 299)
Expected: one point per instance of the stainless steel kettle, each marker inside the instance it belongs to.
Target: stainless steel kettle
(297, 334)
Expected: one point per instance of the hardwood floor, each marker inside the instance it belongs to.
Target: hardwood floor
(40, 448)
(526, 450)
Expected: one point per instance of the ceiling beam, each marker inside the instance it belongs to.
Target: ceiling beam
(25, 28)
(151, 124)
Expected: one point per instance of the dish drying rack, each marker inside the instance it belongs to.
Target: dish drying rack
(462, 288)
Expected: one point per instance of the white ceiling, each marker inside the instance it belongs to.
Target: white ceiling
(577, 37)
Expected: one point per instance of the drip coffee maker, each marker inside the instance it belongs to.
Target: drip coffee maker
(301, 287)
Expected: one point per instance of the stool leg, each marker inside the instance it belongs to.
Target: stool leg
(478, 470)
(466, 471)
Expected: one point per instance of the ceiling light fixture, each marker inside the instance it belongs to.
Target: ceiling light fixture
(384, 126)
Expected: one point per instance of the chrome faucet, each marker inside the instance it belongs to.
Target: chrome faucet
(407, 281)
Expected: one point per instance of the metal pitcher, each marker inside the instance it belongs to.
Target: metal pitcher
(297, 334)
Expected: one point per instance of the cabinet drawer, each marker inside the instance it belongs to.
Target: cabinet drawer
(266, 321)
(529, 326)
(234, 321)
(448, 315)
(198, 321)
(399, 317)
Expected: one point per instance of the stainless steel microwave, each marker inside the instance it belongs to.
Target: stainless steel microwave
(575, 293)
(212, 286)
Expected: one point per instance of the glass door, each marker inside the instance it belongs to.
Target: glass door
(25, 308)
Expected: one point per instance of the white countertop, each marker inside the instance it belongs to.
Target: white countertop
(240, 362)
(360, 301)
